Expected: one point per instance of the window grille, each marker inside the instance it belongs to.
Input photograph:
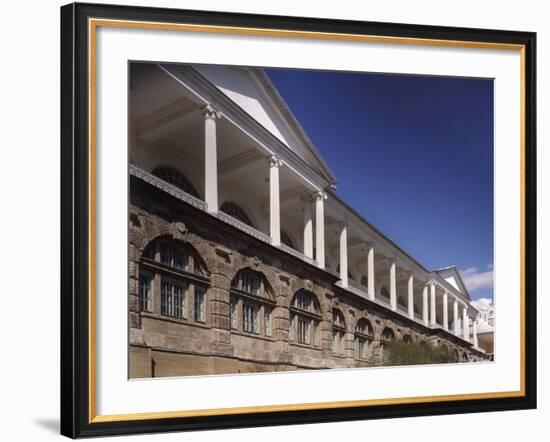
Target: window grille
(304, 301)
(199, 304)
(173, 299)
(360, 347)
(145, 292)
(236, 211)
(250, 317)
(267, 320)
(303, 330)
(174, 256)
(176, 178)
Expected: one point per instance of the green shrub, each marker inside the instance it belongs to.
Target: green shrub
(399, 353)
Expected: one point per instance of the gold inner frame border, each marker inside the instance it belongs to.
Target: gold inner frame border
(93, 24)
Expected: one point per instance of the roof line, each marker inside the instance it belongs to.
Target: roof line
(295, 124)
(362, 218)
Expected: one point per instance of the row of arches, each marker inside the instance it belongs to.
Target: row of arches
(240, 213)
(231, 208)
(174, 282)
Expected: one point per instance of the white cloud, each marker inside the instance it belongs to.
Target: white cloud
(475, 280)
(482, 303)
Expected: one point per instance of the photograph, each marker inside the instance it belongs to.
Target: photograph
(274, 220)
(293, 219)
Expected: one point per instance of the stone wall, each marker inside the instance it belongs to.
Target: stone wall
(165, 346)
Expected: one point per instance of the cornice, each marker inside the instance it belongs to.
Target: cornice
(210, 94)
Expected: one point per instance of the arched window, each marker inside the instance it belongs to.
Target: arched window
(387, 335)
(386, 338)
(363, 339)
(407, 339)
(338, 332)
(304, 318)
(172, 281)
(251, 303)
(236, 211)
(285, 239)
(178, 179)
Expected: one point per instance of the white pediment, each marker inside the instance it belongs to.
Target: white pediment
(253, 92)
(452, 276)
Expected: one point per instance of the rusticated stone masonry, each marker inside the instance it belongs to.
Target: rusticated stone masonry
(165, 346)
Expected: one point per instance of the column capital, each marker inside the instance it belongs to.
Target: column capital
(274, 161)
(343, 224)
(210, 113)
(391, 260)
(319, 195)
(431, 282)
(370, 243)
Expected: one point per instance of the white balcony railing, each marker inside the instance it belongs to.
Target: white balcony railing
(243, 226)
(353, 286)
(166, 187)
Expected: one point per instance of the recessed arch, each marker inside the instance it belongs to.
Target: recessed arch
(175, 177)
(306, 301)
(252, 282)
(251, 302)
(173, 280)
(236, 211)
(387, 335)
(305, 317)
(363, 338)
(175, 253)
(338, 331)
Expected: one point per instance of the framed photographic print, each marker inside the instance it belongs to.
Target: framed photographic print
(278, 220)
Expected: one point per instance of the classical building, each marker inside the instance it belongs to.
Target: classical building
(485, 329)
(242, 256)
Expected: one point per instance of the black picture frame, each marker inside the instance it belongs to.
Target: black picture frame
(75, 221)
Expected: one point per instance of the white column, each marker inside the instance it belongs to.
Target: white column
(320, 228)
(308, 228)
(344, 253)
(475, 333)
(410, 301)
(455, 317)
(370, 270)
(465, 324)
(445, 311)
(432, 304)
(393, 288)
(274, 201)
(210, 159)
(425, 304)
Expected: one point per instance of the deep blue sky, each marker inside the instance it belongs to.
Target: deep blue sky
(412, 154)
